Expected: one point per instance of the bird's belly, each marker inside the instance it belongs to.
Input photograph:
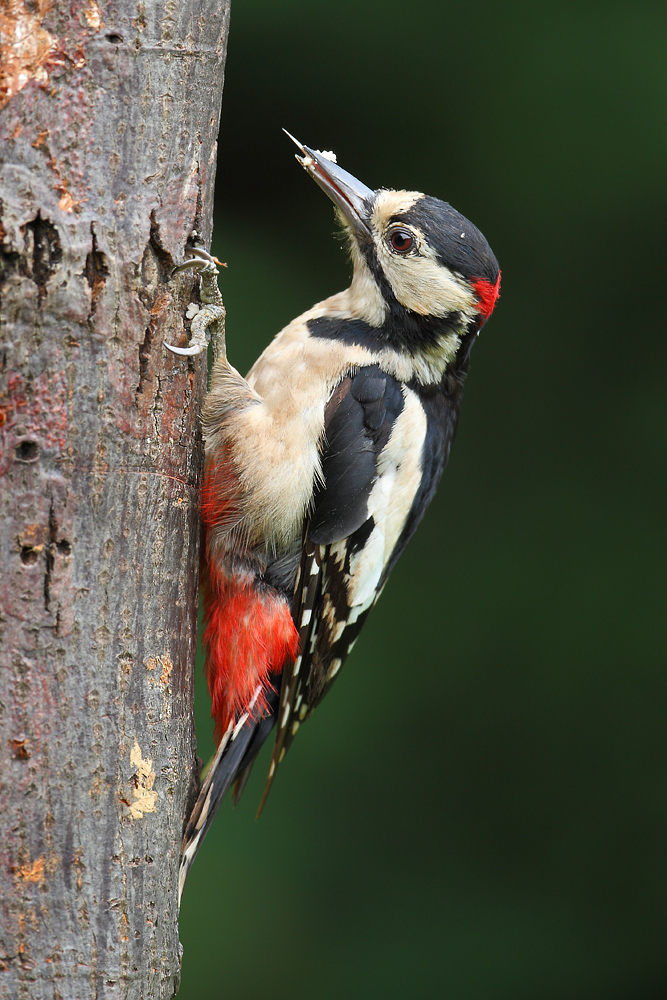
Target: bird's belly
(279, 463)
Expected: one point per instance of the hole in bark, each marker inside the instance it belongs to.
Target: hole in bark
(27, 451)
(164, 259)
(96, 271)
(19, 749)
(157, 265)
(144, 357)
(114, 39)
(49, 558)
(43, 252)
(64, 547)
(29, 555)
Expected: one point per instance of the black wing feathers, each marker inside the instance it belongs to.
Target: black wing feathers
(357, 431)
(332, 597)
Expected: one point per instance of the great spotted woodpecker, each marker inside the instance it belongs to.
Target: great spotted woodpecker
(320, 464)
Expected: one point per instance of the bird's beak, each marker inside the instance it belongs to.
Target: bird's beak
(351, 196)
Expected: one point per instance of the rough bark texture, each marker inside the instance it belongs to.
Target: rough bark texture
(108, 145)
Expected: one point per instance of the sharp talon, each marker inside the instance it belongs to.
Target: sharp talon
(201, 253)
(204, 255)
(188, 351)
(199, 261)
(186, 264)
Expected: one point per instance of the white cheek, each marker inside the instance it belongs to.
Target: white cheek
(425, 286)
(420, 283)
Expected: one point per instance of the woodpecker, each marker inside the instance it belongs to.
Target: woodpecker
(321, 463)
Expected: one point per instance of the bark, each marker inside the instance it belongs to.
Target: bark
(108, 147)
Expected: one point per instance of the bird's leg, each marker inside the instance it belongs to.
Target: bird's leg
(209, 322)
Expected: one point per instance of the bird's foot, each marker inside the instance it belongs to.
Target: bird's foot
(208, 323)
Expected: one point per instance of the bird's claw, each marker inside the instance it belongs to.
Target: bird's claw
(202, 259)
(187, 351)
(212, 311)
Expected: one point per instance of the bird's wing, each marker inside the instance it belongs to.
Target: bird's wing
(380, 464)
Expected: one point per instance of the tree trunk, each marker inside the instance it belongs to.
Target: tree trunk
(108, 147)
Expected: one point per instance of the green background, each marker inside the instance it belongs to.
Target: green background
(478, 810)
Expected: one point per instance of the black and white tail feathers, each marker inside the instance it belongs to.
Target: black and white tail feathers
(232, 764)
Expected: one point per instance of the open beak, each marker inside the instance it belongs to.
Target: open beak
(351, 196)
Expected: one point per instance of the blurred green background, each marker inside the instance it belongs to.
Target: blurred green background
(478, 810)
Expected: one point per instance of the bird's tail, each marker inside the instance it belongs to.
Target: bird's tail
(221, 774)
(233, 760)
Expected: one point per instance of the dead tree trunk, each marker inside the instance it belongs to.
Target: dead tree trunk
(108, 147)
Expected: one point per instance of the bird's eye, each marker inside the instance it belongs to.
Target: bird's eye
(401, 241)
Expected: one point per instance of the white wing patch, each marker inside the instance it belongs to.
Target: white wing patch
(399, 476)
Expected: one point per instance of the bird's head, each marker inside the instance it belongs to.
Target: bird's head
(423, 273)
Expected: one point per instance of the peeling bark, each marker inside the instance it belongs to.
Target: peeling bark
(107, 161)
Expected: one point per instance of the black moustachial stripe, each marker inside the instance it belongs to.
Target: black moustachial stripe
(403, 330)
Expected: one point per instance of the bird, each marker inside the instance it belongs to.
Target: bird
(320, 464)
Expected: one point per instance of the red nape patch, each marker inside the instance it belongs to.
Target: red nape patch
(249, 634)
(220, 491)
(487, 295)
